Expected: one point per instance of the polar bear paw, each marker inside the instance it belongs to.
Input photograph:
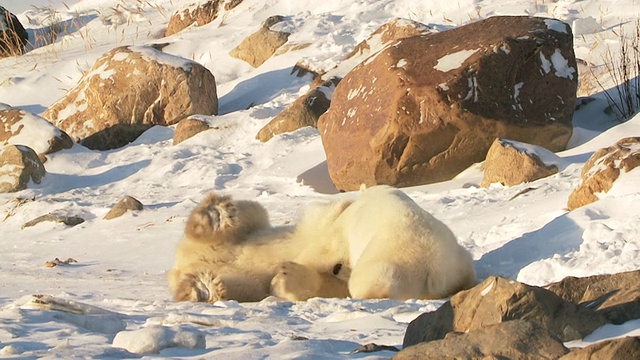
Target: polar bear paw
(214, 216)
(202, 287)
(295, 282)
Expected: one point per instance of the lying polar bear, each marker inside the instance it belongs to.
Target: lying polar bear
(393, 248)
(382, 245)
(230, 251)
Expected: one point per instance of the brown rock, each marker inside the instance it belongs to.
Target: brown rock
(129, 90)
(615, 296)
(63, 219)
(616, 349)
(187, 128)
(516, 339)
(13, 36)
(305, 111)
(231, 4)
(127, 203)
(394, 30)
(19, 127)
(603, 168)
(511, 163)
(498, 300)
(19, 164)
(197, 14)
(422, 110)
(259, 46)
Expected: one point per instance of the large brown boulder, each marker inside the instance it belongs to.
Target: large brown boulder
(511, 163)
(428, 107)
(130, 89)
(603, 169)
(517, 339)
(615, 296)
(305, 111)
(19, 165)
(19, 127)
(261, 45)
(499, 300)
(13, 36)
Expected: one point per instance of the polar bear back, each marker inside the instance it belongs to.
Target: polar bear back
(396, 244)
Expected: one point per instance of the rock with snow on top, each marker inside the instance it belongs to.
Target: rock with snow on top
(603, 168)
(516, 339)
(497, 300)
(20, 127)
(130, 89)
(188, 128)
(152, 339)
(305, 111)
(13, 36)
(427, 107)
(19, 165)
(382, 37)
(197, 13)
(261, 45)
(511, 163)
(621, 348)
(127, 203)
(615, 296)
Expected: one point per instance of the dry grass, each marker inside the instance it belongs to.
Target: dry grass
(623, 68)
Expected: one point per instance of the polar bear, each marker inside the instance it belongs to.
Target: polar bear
(389, 247)
(230, 251)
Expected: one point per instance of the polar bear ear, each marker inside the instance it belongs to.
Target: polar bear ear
(363, 187)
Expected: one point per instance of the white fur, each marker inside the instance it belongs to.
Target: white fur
(387, 246)
(394, 248)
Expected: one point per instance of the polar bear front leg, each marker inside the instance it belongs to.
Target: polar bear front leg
(297, 282)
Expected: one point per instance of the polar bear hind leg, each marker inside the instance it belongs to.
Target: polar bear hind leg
(297, 282)
(382, 279)
(220, 219)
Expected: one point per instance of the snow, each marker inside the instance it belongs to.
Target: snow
(114, 302)
(454, 60)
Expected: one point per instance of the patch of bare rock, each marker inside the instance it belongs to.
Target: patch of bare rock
(127, 203)
(262, 44)
(130, 89)
(20, 127)
(19, 165)
(198, 13)
(305, 111)
(427, 107)
(511, 163)
(603, 168)
(188, 128)
(506, 319)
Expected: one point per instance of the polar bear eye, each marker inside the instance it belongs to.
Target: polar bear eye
(337, 268)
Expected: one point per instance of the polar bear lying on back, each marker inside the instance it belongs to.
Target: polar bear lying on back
(382, 245)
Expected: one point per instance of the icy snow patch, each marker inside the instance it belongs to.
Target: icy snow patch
(453, 61)
(556, 25)
(562, 65)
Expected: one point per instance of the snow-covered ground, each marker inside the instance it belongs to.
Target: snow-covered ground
(119, 281)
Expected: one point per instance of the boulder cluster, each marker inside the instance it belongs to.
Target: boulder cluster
(505, 319)
(408, 106)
